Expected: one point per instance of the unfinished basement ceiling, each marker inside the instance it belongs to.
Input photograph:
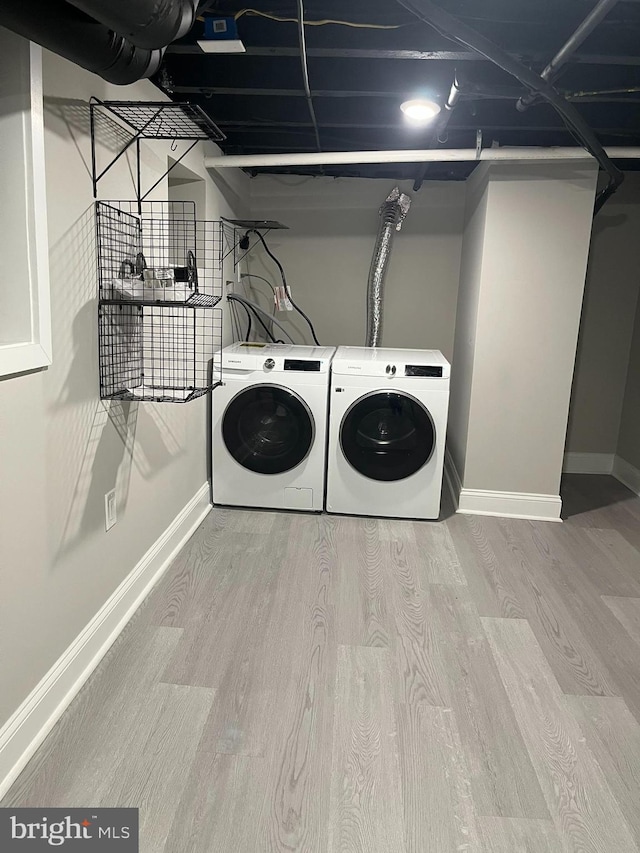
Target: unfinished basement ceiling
(360, 76)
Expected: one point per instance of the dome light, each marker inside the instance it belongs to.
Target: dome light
(420, 110)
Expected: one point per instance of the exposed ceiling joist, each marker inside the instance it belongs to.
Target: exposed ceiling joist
(435, 55)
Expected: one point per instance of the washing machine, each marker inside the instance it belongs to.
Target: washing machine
(269, 426)
(387, 430)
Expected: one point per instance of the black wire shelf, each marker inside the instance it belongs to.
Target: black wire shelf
(165, 120)
(159, 292)
(148, 120)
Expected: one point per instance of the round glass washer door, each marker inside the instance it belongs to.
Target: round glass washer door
(268, 429)
(387, 435)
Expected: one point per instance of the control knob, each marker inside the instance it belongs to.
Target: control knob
(269, 364)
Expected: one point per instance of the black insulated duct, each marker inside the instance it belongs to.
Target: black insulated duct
(145, 23)
(70, 33)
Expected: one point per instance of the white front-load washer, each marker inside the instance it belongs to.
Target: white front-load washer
(387, 431)
(269, 426)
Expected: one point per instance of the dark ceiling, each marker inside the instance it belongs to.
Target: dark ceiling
(359, 76)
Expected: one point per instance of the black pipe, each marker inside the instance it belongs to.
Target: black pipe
(456, 30)
(599, 11)
(439, 130)
(73, 35)
(145, 23)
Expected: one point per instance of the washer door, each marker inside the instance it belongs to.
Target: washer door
(387, 435)
(268, 429)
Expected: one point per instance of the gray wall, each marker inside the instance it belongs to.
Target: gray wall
(467, 316)
(61, 449)
(629, 439)
(533, 264)
(327, 254)
(606, 328)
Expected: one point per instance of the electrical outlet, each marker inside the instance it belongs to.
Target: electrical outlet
(110, 510)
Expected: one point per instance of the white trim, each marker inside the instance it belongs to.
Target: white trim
(452, 477)
(588, 463)
(36, 352)
(25, 730)
(510, 505)
(626, 473)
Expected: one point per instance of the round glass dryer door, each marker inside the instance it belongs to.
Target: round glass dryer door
(268, 429)
(387, 435)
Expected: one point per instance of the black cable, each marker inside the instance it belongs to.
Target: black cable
(284, 282)
(451, 28)
(258, 318)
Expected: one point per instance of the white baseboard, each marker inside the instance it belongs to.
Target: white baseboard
(25, 730)
(510, 505)
(588, 463)
(627, 474)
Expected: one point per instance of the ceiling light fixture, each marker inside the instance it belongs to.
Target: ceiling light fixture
(420, 110)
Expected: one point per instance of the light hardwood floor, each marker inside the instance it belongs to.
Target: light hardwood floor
(327, 684)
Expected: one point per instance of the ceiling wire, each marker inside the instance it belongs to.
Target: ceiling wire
(630, 91)
(305, 71)
(319, 23)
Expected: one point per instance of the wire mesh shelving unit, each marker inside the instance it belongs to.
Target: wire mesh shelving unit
(141, 120)
(159, 295)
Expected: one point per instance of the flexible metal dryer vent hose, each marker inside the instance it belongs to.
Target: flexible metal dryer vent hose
(392, 215)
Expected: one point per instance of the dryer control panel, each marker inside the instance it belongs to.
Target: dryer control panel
(302, 365)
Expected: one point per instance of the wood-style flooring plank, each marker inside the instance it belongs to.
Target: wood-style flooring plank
(418, 672)
(606, 558)
(237, 581)
(503, 779)
(627, 612)
(395, 529)
(362, 618)
(436, 790)
(179, 591)
(488, 579)
(439, 561)
(588, 611)
(613, 735)
(582, 806)
(80, 749)
(295, 815)
(518, 835)
(240, 720)
(218, 810)
(568, 648)
(152, 765)
(366, 812)
(250, 520)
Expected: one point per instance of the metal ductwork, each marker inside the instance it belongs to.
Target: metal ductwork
(55, 25)
(145, 23)
(392, 215)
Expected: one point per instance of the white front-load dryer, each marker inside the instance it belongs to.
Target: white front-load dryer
(269, 426)
(387, 431)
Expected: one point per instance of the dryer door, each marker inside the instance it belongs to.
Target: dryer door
(387, 435)
(268, 429)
